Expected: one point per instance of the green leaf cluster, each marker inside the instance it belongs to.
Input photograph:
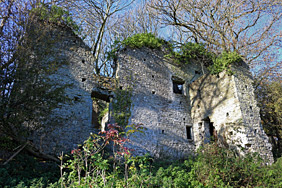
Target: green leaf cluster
(143, 40)
(211, 167)
(55, 14)
(191, 51)
(223, 62)
(180, 55)
(122, 106)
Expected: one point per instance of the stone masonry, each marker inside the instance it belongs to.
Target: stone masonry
(204, 108)
(70, 123)
(182, 106)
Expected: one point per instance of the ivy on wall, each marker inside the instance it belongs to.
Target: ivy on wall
(56, 15)
(122, 106)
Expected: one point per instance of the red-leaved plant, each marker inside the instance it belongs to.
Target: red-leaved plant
(87, 162)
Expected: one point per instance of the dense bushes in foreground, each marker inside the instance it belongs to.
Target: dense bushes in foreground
(91, 166)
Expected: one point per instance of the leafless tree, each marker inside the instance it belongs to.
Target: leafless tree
(249, 27)
(96, 19)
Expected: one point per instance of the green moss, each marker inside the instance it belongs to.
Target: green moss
(55, 14)
(103, 113)
(122, 106)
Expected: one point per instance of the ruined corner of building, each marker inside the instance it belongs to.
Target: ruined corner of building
(182, 107)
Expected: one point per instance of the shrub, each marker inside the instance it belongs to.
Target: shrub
(143, 40)
(55, 14)
(192, 51)
(223, 62)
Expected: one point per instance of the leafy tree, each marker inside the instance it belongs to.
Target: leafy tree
(27, 96)
(270, 102)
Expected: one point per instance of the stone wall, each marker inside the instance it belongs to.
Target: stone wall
(224, 109)
(181, 106)
(70, 123)
(208, 108)
(165, 114)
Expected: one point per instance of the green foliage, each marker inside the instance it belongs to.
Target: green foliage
(191, 51)
(89, 166)
(122, 106)
(181, 55)
(26, 171)
(55, 14)
(270, 102)
(223, 62)
(136, 41)
(85, 163)
(143, 40)
(103, 113)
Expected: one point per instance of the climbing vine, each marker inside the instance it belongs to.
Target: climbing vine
(55, 14)
(121, 106)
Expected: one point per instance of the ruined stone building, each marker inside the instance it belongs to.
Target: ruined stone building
(182, 106)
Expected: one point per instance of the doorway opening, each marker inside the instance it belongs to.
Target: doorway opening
(210, 132)
(100, 112)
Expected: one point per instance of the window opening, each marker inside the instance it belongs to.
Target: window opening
(162, 131)
(83, 79)
(189, 132)
(197, 72)
(177, 88)
(177, 85)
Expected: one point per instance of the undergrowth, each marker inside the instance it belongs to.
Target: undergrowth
(211, 167)
(27, 171)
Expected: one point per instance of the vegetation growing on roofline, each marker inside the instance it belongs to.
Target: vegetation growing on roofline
(56, 15)
(181, 55)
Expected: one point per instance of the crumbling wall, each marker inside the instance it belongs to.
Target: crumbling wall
(257, 140)
(165, 114)
(224, 110)
(70, 123)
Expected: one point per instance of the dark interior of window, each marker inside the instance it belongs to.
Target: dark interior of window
(177, 85)
(189, 132)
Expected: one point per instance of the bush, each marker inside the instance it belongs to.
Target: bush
(223, 62)
(211, 167)
(143, 40)
(27, 171)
